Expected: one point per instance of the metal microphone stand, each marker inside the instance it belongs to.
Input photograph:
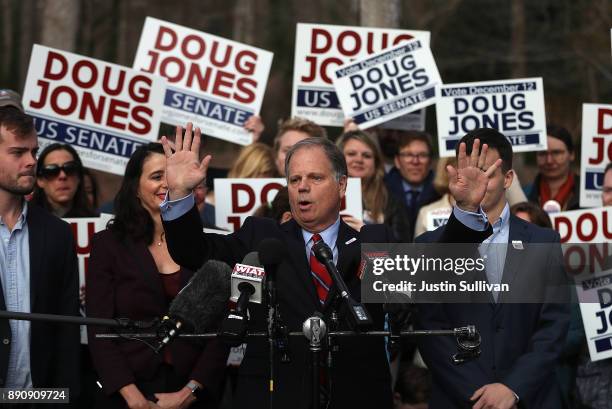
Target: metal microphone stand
(314, 329)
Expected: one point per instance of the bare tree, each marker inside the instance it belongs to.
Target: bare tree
(60, 19)
(380, 13)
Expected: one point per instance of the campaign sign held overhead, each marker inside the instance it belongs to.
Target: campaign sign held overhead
(105, 111)
(513, 107)
(213, 82)
(320, 49)
(596, 151)
(387, 85)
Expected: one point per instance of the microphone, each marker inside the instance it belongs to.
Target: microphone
(200, 305)
(359, 316)
(246, 283)
(272, 252)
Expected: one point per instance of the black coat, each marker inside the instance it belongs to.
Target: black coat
(54, 289)
(361, 376)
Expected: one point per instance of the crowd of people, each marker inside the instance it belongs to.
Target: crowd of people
(154, 243)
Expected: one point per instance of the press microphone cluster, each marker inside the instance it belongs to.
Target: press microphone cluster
(200, 305)
(247, 283)
(358, 315)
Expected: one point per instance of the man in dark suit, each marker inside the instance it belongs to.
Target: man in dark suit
(316, 174)
(38, 268)
(411, 180)
(520, 342)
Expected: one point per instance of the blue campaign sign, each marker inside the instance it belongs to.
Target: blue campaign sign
(513, 107)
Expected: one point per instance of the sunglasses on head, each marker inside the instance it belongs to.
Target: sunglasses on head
(53, 170)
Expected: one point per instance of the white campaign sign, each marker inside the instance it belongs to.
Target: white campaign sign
(437, 217)
(591, 266)
(513, 107)
(105, 111)
(237, 199)
(596, 151)
(213, 82)
(320, 49)
(584, 226)
(83, 229)
(387, 85)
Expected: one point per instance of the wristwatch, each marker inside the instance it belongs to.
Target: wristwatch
(196, 390)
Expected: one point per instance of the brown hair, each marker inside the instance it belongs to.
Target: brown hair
(536, 214)
(16, 121)
(300, 125)
(373, 189)
(255, 161)
(407, 137)
(440, 181)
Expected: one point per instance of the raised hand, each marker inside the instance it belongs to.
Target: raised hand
(184, 170)
(255, 126)
(468, 182)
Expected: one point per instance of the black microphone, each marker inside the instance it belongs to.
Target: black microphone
(358, 314)
(200, 305)
(247, 282)
(272, 252)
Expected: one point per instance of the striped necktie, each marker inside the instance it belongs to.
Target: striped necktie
(321, 277)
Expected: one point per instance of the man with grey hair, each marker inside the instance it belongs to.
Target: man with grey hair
(316, 178)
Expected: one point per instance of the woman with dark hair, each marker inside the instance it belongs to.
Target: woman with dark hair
(364, 160)
(59, 183)
(532, 213)
(131, 274)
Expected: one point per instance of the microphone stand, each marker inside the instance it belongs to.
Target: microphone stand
(314, 329)
(124, 323)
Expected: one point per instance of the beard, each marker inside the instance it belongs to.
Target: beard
(16, 188)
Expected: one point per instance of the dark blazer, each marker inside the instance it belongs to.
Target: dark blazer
(360, 373)
(123, 282)
(394, 179)
(54, 289)
(520, 342)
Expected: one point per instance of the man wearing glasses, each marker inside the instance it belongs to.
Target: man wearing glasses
(411, 180)
(555, 180)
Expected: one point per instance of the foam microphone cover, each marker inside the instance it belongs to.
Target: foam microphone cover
(202, 303)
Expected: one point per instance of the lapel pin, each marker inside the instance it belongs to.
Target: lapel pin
(517, 244)
(350, 241)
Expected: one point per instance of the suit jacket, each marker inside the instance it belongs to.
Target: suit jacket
(520, 342)
(360, 372)
(54, 289)
(123, 282)
(394, 179)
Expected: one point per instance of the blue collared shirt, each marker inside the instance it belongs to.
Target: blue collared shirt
(329, 237)
(410, 190)
(15, 275)
(173, 209)
(493, 247)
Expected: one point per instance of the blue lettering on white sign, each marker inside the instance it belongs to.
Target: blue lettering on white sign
(402, 103)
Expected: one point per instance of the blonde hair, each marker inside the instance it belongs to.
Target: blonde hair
(373, 189)
(300, 125)
(440, 181)
(254, 161)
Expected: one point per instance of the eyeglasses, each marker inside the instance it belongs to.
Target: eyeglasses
(555, 153)
(53, 170)
(421, 157)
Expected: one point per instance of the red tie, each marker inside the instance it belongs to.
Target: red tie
(319, 273)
